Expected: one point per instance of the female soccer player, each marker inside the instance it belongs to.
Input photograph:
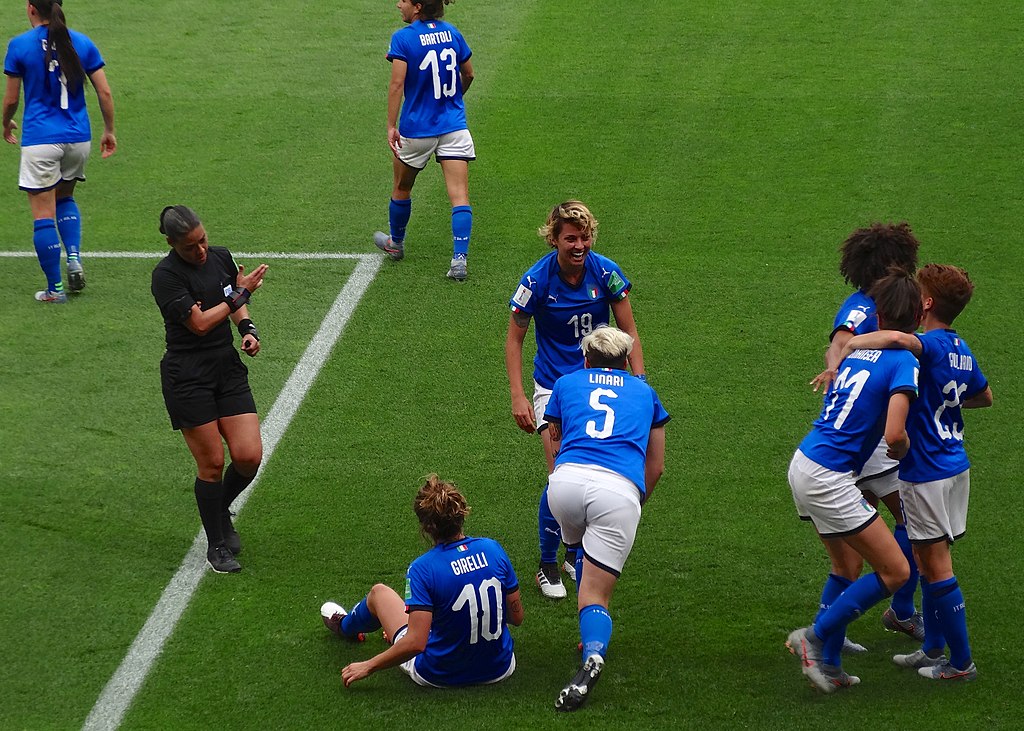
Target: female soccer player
(873, 388)
(430, 66)
(53, 62)
(460, 597)
(610, 428)
(568, 293)
(866, 256)
(198, 288)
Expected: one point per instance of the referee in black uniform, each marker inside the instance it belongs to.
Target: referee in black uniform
(198, 288)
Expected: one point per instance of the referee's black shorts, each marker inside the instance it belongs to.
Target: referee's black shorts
(202, 386)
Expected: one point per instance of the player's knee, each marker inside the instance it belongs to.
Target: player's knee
(897, 576)
(848, 568)
(247, 459)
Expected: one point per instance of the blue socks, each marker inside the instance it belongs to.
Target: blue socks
(69, 223)
(549, 532)
(47, 244)
(903, 599)
(934, 639)
(360, 620)
(949, 603)
(834, 586)
(398, 218)
(579, 568)
(860, 596)
(595, 630)
(462, 226)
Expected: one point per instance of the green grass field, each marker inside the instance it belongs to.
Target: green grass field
(726, 148)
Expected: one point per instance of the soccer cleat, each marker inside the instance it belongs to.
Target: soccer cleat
(332, 614)
(394, 249)
(457, 270)
(918, 659)
(221, 560)
(231, 538)
(945, 671)
(805, 645)
(570, 570)
(829, 678)
(56, 298)
(913, 627)
(76, 276)
(851, 648)
(550, 582)
(578, 690)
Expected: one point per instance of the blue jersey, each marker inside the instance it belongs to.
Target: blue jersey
(54, 112)
(949, 375)
(464, 585)
(853, 418)
(434, 51)
(606, 417)
(564, 314)
(856, 315)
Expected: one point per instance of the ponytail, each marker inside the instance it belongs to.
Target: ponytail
(59, 40)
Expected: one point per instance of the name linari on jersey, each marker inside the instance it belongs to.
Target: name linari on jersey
(432, 39)
(607, 379)
(469, 563)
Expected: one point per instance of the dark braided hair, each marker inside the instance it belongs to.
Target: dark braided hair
(441, 509)
(59, 40)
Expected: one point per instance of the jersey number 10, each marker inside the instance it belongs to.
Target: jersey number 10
(490, 603)
(448, 59)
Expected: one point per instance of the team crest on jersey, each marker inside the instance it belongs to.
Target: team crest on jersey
(615, 283)
(593, 293)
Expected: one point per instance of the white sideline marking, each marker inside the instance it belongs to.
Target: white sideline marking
(122, 687)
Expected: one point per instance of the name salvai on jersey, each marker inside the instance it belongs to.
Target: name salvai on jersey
(852, 419)
(949, 376)
(606, 417)
(563, 314)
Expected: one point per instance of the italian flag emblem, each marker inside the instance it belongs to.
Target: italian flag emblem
(593, 293)
(462, 548)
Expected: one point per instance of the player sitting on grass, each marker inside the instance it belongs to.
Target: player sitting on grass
(935, 474)
(460, 597)
(865, 257)
(870, 395)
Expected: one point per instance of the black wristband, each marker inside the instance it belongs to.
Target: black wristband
(239, 297)
(246, 327)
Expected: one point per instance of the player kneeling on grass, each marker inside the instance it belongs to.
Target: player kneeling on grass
(460, 597)
(935, 475)
(610, 428)
(870, 396)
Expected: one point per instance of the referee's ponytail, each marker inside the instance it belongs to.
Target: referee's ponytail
(177, 222)
(60, 41)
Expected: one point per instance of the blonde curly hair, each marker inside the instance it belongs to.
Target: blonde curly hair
(574, 212)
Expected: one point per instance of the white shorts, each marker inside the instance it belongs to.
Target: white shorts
(880, 474)
(416, 151)
(597, 508)
(409, 666)
(44, 166)
(541, 396)
(829, 499)
(937, 510)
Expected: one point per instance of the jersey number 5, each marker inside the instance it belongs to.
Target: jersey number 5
(431, 61)
(609, 415)
(490, 604)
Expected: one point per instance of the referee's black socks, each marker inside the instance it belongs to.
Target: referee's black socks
(234, 483)
(209, 497)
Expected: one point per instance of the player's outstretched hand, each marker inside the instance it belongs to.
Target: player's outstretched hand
(522, 412)
(823, 380)
(355, 671)
(9, 132)
(253, 280)
(250, 346)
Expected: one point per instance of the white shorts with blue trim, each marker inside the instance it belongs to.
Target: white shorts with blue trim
(409, 666)
(829, 499)
(880, 474)
(44, 166)
(416, 151)
(936, 510)
(541, 396)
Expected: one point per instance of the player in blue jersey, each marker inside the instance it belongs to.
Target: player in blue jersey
(460, 596)
(935, 474)
(431, 68)
(568, 293)
(609, 427)
(53, 63)
(866, 256)
(871, 395)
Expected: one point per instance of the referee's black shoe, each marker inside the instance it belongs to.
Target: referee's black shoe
(221, 560)
(231, 538)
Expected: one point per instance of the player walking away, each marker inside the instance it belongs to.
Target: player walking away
(430, 67)
(610, 428)
(935, 474)
(866, 256)
(460, 596)
(198, 288)
(872, 391)
(53, 62)
(568, 293)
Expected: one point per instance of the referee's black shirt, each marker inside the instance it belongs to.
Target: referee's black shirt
(177, 285)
